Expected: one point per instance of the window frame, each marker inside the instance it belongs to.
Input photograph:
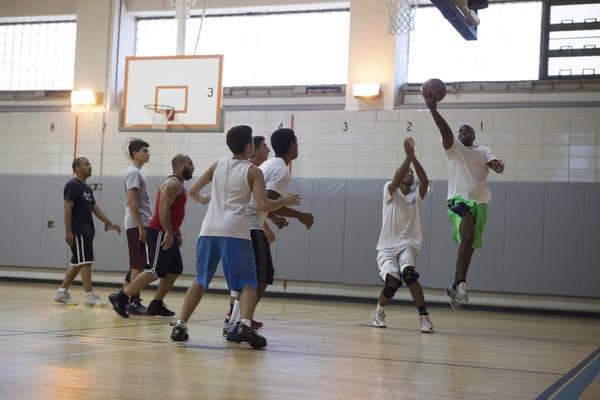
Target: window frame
(546, 53)
(40, 21)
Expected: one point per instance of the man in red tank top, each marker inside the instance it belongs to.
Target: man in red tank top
(164, 240)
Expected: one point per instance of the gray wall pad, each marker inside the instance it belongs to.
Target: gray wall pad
(537, 233)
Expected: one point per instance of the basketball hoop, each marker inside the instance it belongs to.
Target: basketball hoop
(160, 115)
(401, 16)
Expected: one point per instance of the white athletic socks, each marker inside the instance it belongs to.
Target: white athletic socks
(235, 313)
(379, 308)
(247, 322)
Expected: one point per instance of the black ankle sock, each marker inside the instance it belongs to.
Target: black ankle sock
(122, 297)
(423, 311)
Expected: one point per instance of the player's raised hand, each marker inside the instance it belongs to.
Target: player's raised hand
(430, 100)
(409, 147)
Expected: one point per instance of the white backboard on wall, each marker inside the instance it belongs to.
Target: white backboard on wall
(190, 84)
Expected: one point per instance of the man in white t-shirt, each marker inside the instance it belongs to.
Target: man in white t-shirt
(468, 194)
(400, 238)
(277, 178)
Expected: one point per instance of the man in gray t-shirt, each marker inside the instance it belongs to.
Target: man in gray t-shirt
(138, 212)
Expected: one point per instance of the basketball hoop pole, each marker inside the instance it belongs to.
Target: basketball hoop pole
(180, 16)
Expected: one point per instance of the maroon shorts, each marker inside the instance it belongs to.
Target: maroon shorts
(138, 255)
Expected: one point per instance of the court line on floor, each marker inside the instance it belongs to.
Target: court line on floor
(574, 382)
(271, 350)
(362, 357)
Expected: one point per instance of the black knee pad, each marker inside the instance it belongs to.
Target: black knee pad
(389, 291)
(391, 286)
(410, 276)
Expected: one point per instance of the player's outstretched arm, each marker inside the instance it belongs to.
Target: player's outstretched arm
(445, 131)
(305, 218)
(422, 175)
(200, 183)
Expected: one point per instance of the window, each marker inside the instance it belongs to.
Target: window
(286, 48)
(571, 40)
(507, 48)
(37, 55)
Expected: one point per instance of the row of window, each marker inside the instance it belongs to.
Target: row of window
(311, 48)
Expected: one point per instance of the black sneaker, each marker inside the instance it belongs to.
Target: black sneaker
(232, 334)
(179, 334)
(157, 307)
(249, 335)
(135, 307)
(119, 302)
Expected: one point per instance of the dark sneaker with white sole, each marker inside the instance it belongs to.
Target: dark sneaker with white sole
(250, 336)
(135, 307)
(119, 302)
(179, 332)
(157, 307)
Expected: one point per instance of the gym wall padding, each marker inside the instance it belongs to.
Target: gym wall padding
(538, 233)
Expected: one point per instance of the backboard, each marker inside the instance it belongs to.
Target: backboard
(192, 85)
(462, 14)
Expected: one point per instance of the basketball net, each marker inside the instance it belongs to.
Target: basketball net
(160, 115)
(401, 16)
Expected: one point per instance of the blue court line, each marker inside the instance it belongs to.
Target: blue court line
(574, 382)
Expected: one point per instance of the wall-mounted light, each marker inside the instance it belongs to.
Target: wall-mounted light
(83, 97)
(366, 89)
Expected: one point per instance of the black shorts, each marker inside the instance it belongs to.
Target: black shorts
(162, 262)
(82, 249)
(262, 255)
(138, 255)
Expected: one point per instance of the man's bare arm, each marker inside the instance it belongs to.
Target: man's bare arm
(200, 183)
(102, 217)
(305, 218)
(68, 218)
(132, 202)
(445, 131)
(423, 179)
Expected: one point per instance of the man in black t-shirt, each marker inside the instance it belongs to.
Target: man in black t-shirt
(79, 227)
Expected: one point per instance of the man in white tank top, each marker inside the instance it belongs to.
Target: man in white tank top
(225, 233)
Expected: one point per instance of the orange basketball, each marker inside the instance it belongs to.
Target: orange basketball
(434, 87)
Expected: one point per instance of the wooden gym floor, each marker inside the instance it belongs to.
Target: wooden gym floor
(317, 350)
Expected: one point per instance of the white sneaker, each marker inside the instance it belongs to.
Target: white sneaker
(426, 325)
(461, 294)
(64, 297)
(378, 319)
(93, 300)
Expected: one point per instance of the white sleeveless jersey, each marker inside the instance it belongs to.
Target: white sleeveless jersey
(229, 196)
